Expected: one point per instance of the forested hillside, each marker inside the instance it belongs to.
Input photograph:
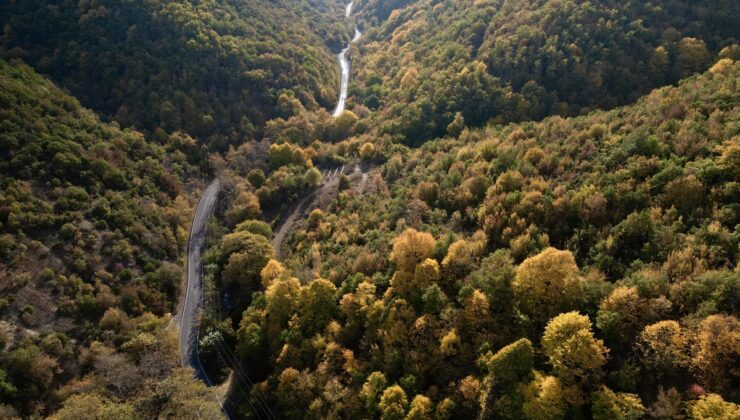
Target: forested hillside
(569, 268)
(93, 221)
(530, 209)
(421, 62)
(217, 69)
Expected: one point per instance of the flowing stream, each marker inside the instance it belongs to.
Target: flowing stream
(344, 68)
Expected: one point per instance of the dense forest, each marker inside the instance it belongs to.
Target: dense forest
(514, 60)
(93, 220)
(215, 69)
(570, 268)
(530, 209)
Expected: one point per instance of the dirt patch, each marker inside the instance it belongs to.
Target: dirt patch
(35, 307)
(362, 180)
(303, 207)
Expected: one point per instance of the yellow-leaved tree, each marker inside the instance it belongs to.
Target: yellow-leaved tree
(575, 354)
(716, 349)
(547, 284)
(411, 248)
(393, 403)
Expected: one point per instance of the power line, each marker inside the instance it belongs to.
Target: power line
(230, 359)
(236, 366)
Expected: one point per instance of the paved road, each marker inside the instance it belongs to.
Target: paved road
(345, 69)
(194, 292)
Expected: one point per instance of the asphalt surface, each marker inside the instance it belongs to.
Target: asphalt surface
(194, 291)
(344, 67)
(188, 318)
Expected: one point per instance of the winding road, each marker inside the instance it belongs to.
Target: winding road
(188, 316)
(330, 177)
(345, 68)
(194, 289)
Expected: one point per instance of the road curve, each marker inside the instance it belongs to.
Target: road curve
(345, 69)
(194, 288)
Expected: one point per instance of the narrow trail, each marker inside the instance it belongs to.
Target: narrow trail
(358, 176)
(332, 175)
(188, 317)
(363, 182)
(287, 226)
(298, 212)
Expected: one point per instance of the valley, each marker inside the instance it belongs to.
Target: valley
(516, 209)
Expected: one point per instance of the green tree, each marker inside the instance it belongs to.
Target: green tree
(508, 370)
(693, 56)
(371, 391)
(495, 278)
(281, 154)
(7, 389)
(608, 405)
(256, 177)
(512, 364)
(92, 406)
(433, 299)
(245, 254)
(249, 339)
(257, 227)
(317, 306)
(312, 177)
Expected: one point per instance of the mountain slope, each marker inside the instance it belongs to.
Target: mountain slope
(414, 283)
(496, 246)
(513, 60)
(213, 69)
(93, 221)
